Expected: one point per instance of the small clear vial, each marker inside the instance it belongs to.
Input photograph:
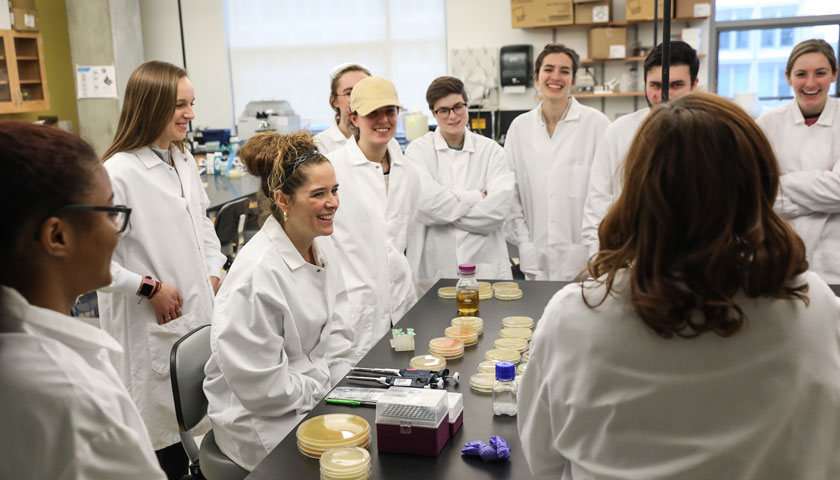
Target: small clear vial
(505, 389)
(466, 291)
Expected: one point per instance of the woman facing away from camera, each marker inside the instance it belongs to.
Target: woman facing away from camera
(65, 412)
(704, 348)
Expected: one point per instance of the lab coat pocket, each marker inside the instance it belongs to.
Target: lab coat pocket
(362, 318)
(578, 181)
(162, 337)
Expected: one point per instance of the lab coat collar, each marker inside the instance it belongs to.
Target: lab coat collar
(573, 113)
(357, 156)
(335, 133)
(287, 249)
(63, 328)
(826, 117)
(440, 142)
(150, 159)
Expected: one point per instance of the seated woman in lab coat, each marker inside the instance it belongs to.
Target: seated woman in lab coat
(462, 223)
(342, 80)
(65, 411)
(805, 135)
(550, 149)
(166, 268)
(379, 197)
(280, 337)
(704, 348)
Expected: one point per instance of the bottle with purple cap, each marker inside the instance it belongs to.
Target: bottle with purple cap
(505, 389)
(466, 291)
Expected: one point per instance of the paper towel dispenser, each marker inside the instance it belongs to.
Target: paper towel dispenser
(516, 64)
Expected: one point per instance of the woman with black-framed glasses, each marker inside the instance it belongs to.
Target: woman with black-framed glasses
(62, 402)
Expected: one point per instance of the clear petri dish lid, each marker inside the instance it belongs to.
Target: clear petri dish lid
(316, 452)
(484, 285)
(518, 322)
(428, 362)
(487, 366)
(482, 380)
(511, 344)
(333, 429)
(499, 285)
(502, 355)
(508, 293)
(475, 322)
(345, 460)
(516, 332)
(461, 332)
(485, 294)
(445, 344)
(447, 292)
(451, 355)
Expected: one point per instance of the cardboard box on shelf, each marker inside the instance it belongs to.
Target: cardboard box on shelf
(592, 11)
(24, 20)
(693, 8)
(24, 4)
(607, 42)
(541, 13)
(643, 9)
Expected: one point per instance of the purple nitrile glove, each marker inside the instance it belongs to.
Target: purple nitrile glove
(500, 446)
(473, 448)
(488, 453)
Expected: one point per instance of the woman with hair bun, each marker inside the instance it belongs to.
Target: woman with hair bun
(167, 266)
(279, 337)
(704, 348)
(65, 412)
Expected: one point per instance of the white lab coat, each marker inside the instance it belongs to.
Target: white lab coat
(172, 240)
(809, 196)
(65, 412)
(605, 397)
(552, 174)
(370, 233)
(331, 139)
(606, 175)
(280, 341)
(454, 224)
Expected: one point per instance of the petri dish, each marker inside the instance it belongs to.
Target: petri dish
(435, 363)
(502, 355)
(487, 366)
(482, 382)
(521, 369)
(484, 285)
(516, 332)
(526, 356)
(345, 461)
(508, 293)
(485, 293)
(446, 344)
(511, 344)
(447, 292)
(518, 322)
(475, 322)
(333, 429)
(469, 335)
(316, 452)
(499, 285)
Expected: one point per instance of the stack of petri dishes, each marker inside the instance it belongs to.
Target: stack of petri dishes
(448, 348)
(345, 463)
(518, 322)
(502, 355)
(475, 322)
(484, 285)
(503, 285)
(434, 363)
(526, 356)
(511, 344)
(487, 366)
(324, 432)
(521, 368)
(508, 293)
(468, 335)
(516, 332)
(447, 292)
(485, 293)
(482, 382)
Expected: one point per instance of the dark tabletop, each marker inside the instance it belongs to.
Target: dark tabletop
(221, 189)
(429, 317)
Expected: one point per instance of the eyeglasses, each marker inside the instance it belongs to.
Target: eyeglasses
(458, 108)
(118, 214)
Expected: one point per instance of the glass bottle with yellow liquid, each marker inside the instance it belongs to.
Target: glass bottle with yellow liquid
(466, 291)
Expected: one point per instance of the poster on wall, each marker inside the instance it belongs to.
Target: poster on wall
(96, 81)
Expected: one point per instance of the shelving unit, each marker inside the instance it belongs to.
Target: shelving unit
(23, 77)
(591, 61)
(623, 23)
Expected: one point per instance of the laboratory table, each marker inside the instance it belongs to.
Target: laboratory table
(222, 189)
(429, 317)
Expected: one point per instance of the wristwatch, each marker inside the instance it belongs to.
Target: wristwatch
(147, 287)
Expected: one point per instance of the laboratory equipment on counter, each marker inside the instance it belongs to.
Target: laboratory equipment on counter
(466, 291)
(263, 115)
(413, 421)
(585, 82)
(416, 125)
(404, 377)
(505, 389)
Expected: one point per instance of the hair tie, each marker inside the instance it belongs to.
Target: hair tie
(304, 157)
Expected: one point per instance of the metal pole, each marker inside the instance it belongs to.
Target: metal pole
(666, 49)
(655, 22)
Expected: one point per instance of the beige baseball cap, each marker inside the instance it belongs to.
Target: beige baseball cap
(372, 93)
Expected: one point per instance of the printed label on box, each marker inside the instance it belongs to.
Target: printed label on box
(600, 14)
(618, 51)
(703, 10)
(29, 20)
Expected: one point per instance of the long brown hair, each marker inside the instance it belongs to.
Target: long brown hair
(694, 224)
(150, 98)
(352, 67)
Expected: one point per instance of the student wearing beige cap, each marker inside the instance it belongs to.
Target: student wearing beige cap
(378, 195)
(342, 80)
